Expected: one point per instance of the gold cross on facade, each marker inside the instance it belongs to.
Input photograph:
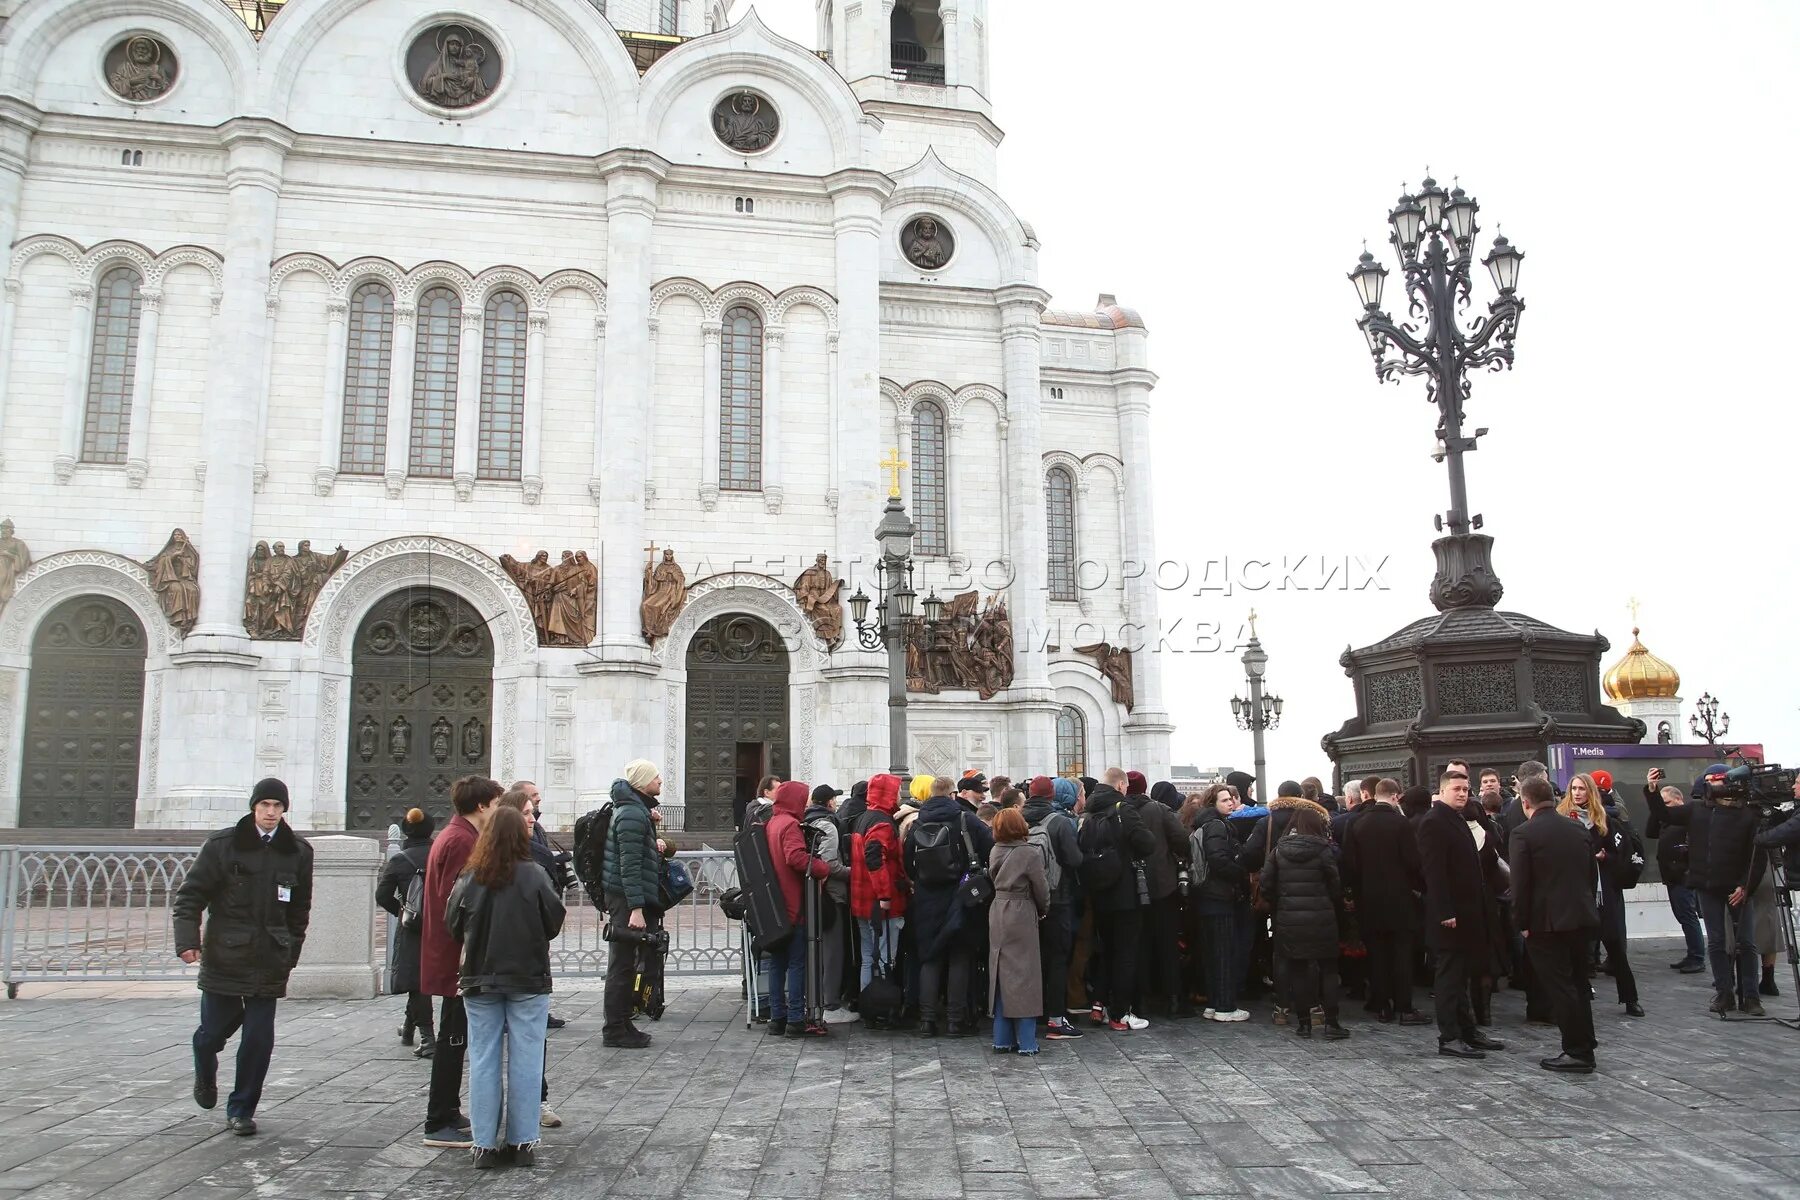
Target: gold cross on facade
(1253, 624)
(1633, 606)
(893, 465)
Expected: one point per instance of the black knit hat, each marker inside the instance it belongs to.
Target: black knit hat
(269, 789)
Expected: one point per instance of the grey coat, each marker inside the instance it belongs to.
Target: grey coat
(1021, 898)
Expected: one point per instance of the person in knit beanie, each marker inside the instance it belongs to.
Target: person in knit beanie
(1050, 805)
(390, 896)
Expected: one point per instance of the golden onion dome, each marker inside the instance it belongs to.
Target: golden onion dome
(1640, 675)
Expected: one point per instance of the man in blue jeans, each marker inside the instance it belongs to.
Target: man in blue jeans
(794, 869)
(1671, 865)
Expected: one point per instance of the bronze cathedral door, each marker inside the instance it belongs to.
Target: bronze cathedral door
(737, 716)
(421, 702)
(83, 715)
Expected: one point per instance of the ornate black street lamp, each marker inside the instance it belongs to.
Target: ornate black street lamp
(1707, 722)
(1260, 712)
(893, 609)
(1436, 343)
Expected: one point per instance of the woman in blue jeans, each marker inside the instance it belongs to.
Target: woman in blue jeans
(504, 911)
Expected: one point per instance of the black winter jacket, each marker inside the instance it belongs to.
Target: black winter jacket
(1382, 871)
(1170, 851)
(1062, 842)
(1671, 848)
(1300, 880)
(505, 933)
(1110, 821)
(1722, 853)
(390, 897)
(1226, 881)
(253, 936)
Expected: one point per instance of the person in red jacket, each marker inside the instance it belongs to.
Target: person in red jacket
(878, 883)
(793, 867)
(440, 958)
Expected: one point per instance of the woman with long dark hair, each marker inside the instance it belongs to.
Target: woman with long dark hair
(504, 911)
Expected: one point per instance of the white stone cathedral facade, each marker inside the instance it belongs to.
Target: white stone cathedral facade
(442, 284)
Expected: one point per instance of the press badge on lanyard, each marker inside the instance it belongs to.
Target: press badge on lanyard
(283, 893)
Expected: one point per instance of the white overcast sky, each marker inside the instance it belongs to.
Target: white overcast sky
(1217, 166)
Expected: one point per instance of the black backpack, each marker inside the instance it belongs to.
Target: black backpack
(412, 913)
(1627, 855)
(938, 857)
(589, 859)
(1103, 859)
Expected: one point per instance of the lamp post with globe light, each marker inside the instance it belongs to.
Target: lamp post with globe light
(1258, 713)
(1433, 233)
(1706, 722)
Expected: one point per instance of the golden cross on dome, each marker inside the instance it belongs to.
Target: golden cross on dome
(893, 464)
(1253, 624)
(1632, 604)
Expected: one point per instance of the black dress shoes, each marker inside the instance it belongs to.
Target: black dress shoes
(206, 1095)
(1459, 1050)
(242, 1126)
(1568, 1064)
(1634, 1009)
(1482, 1041)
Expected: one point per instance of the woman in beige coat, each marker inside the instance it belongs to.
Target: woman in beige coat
(1021, 898)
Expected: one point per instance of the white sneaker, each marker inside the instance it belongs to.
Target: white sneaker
(841, 1016)
(1136, 1022)
(548, 1119)
(1211, 1014)
(1236, 1014)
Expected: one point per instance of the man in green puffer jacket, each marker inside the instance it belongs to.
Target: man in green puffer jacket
(631, 877)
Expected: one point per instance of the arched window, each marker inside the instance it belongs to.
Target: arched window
(740, 401)
(112, 368)
(1071, 741)
(368, 357)
(502, 442)
(1059, 526)
(930, 504)
(434, 385)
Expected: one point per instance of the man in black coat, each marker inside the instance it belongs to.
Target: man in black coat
(1553, 883)
(254, 883)
(1113, 841)
(1382, 879)
(1159, 956)
(1671, 866)
(1456, 917)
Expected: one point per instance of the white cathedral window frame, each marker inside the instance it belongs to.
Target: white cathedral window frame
(1060, 569)
(437, 351)
(741, 424)
(368, 372)
(1071, 741)
(930, 458)
(112, 366)
(500, 445)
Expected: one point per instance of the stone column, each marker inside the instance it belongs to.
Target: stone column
(1004, 427)
(331, 425)
(834, 471)
(339, 961)
(631, 178)
(468, 403)
(400, 391)
(711, 376)
(771, 459)
(75, 373)
(1147, 729)
(531, 465)
(953, 72)
(903, 436)
(1021, 306)
(594, 489)
(143, 387)
(18, 122)
(260, 472)
(953, 431)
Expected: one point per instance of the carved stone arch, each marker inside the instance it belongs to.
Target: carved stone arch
(1062, 458)
(931, 183)
(102, 258)
(72, 573)
(580, 281)
(795, 296)
(420, 279)
(41, 244)
(1102, 461)
(191, 256)
(420, 561)
(931, 389)
(892, 392)
(294, 264)
(35, 30)
(971, 392)
(742, 591)
(360, 270)
(693, 289)
(743, 292)
(508, 279)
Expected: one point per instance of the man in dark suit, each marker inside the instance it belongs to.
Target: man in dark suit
(1456, 917)
(1553, 881)
(1381, 877)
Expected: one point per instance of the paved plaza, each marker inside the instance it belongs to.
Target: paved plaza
(94, 1102)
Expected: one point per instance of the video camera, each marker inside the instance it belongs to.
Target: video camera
(652, 939)
(1768, 786)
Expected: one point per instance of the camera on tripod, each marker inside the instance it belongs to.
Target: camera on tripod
(1768, 786)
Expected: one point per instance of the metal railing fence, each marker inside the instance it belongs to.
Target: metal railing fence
(104, 913)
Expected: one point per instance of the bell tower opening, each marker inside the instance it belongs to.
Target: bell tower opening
(916, 41)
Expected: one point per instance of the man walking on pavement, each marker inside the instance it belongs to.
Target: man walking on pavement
(254, 882)
(1553, 882)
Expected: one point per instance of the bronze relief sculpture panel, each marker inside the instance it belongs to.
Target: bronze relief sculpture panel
(564, 598)
(175, 575)
(665, 593)
(817, 592)
(1115, 664)
(927, 242)
(746, 122)
(453, 66)
(280, 588)
(15, 560)
(140, 68)
(970, 648)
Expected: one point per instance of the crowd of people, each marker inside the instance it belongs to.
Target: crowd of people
(936, 902)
